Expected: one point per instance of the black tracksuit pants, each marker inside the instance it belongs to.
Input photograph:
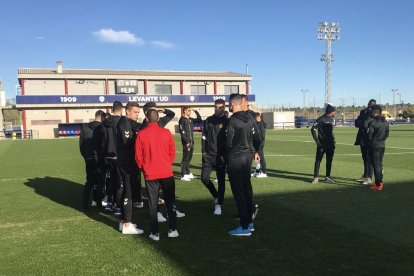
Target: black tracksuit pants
(130, 190)
(320, 151)
(95, 173)
(368, 170)
(168, 190)
(238, 169)
(113, 190)
(208, 163)
(376, 156)
(262, 158)
(185, 162)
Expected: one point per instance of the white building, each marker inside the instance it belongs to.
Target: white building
(50, 96)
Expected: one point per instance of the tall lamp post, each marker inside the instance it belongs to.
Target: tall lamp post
(304, 91)
(394, 91)
(329, 33)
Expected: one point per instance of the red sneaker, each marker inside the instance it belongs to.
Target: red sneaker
(376, 187)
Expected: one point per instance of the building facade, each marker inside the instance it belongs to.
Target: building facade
(50, 96)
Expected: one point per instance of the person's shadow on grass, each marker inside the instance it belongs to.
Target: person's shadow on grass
(68, 193)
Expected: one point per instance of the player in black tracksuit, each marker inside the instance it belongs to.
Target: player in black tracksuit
(93, 155)
(128, 169)
(261, 125)
(187, 140)
(109, 142)
(169, 114)
(242, 143)
(325, 142)
(378, 132)
(361, 139)
(213, 148)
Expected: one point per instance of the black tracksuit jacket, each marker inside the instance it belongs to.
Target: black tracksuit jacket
(242, 135)
(126, 134)
(109, 141)
(213, 141)
(186, 128)
(325, 136)
(360, 123)
(378, 131)
(262, 130)
(169, 115)
(88, 144)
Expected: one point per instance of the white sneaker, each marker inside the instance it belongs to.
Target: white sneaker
(254, 174)
(94, 204)
(186, 177)
(179, 214)
(121, 226)
(131, 230)
(191, 176)
(217, 210)
(160, 217)
(261, 175)
(155, 237)
(173, 234)
(104, 203)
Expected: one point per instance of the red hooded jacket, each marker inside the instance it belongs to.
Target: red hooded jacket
(155, 152)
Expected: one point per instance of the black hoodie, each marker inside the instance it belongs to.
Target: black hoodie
(110, 135)
(378, 132)
(242, 136)
(87, 143)
(126, 135)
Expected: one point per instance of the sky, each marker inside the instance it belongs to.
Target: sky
(277, 39)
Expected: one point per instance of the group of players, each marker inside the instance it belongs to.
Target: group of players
(373, 130)
(117, 149)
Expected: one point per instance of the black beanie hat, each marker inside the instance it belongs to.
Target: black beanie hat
(329, 109)
(372, 102)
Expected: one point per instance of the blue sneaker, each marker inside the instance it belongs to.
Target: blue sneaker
(117, 212)
(239, 231)
(108, 207)
(251, 227)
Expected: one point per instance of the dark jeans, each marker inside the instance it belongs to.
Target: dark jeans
(262, 159)
(368, 170)
(95, 179)
(168, 190)
(238, 169)
(375, 156)
(208, 163)
(185, 162)
(320, 151)
(130, 176)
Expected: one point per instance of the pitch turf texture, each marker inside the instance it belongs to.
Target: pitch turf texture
(301, 229)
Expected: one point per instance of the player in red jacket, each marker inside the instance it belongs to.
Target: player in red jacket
(154, 154)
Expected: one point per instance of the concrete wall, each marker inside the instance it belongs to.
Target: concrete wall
(44, 87)
(279, 120)
(86, 87)
(45, 130)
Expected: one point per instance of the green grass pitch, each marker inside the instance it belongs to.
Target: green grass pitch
(301, 229)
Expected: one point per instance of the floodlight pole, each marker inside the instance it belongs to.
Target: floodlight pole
(304, 91)
(329, 33)
(393, 102)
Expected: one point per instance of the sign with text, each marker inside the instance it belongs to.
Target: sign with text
(109, 99)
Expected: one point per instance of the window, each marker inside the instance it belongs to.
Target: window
(198, 90)
(231, 89)
(78, 121)
(162, 89)
(45, 122)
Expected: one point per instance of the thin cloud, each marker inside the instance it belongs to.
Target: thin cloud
(162, 44)
(39, 37)
(120, 37)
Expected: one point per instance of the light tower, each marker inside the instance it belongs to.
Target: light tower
(329, 33)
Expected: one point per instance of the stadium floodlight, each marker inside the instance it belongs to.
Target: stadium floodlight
(329, 33)
(394, 91)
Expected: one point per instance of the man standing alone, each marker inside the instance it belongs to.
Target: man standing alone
(325, 142)
(154, 154)
(187, 140)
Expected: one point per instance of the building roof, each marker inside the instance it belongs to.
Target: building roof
(110, 73)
